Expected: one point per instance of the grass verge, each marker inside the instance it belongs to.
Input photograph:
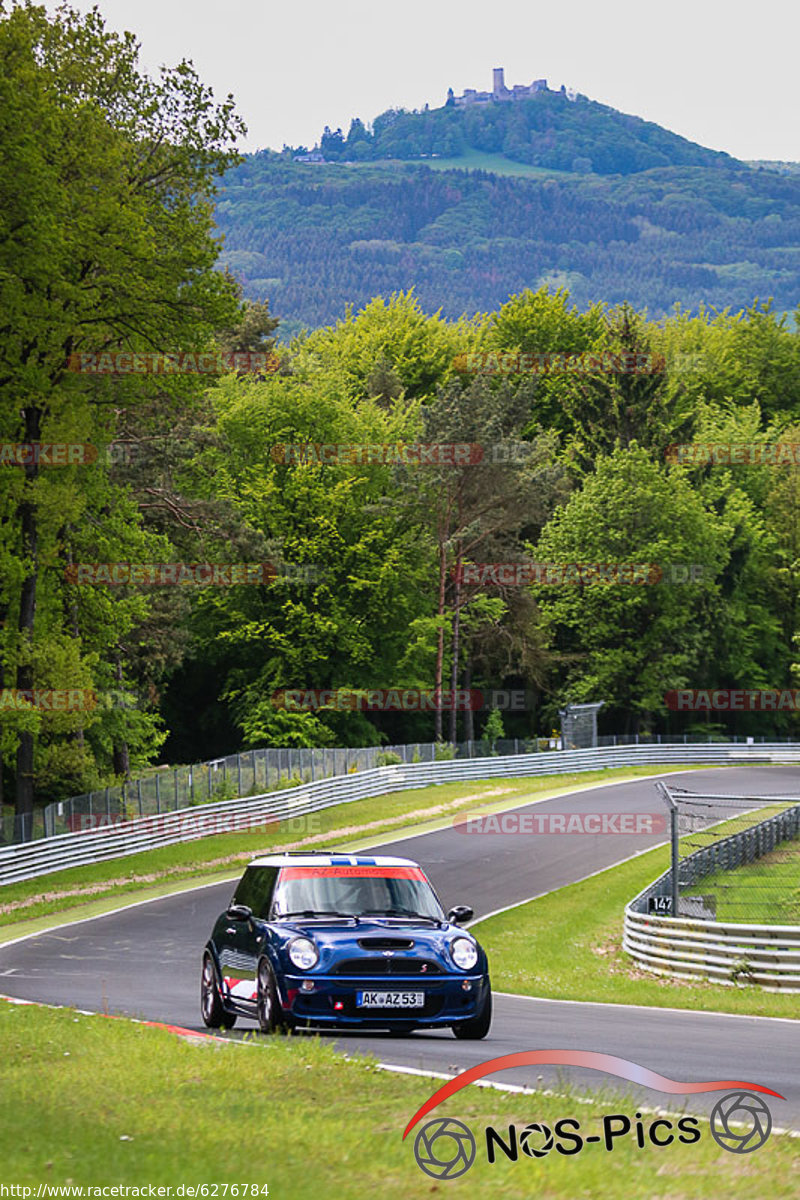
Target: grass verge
(92, 1102)
(567, 945)
(765, 892)
(84, 891)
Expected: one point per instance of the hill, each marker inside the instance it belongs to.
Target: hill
(547, 130)
(673, 223)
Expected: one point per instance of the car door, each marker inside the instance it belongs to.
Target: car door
(243, 940)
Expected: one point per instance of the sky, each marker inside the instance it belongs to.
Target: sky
(720, 72)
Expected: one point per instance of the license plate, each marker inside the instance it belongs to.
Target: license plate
(390, 999)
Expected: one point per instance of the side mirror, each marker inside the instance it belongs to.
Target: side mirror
(460, 914)
(239, 912)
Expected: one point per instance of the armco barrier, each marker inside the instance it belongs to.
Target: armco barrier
(32, 859)
(723, 952)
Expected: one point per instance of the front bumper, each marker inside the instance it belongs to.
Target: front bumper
(332, 1001)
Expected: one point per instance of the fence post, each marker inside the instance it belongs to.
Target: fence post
(673, 829)
(139, 795)
(239, 770)
(158, 793)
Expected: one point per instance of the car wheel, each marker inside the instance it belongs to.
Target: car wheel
(214, 1013)
(270, 1015)
(478, 1026)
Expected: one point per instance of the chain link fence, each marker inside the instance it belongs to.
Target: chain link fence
(249, 773)
(254, 772)
(738, 858)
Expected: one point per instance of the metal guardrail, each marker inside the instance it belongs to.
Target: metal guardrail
(256, 772)
(720, 951)
(768, 955)
(249, 773)
(32, 859)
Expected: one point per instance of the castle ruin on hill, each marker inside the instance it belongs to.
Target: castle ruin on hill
(501, 93)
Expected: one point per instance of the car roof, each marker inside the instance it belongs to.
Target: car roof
(331, 860)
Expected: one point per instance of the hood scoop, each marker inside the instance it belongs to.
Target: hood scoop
(385, 943)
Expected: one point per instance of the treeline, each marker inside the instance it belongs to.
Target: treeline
(339, 569)
(314, 237)
(544, 131)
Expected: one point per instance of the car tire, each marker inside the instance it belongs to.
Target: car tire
(271, 1017)
(212, 1010)
(478, 1026)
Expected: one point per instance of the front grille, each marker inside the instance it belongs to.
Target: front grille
(387, 966)
(385, 943)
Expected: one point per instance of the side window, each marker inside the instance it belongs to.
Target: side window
(245, 889)
(255, 889)
(263, 886)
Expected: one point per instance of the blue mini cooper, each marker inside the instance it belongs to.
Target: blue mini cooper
(351, 941)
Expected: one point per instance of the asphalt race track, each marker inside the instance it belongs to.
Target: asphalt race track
(144, 962)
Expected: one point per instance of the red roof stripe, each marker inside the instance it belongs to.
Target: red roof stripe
(352, 872)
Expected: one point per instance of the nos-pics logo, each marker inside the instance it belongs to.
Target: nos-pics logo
(446, 1148)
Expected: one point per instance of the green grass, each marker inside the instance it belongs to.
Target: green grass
(765, 892)
(97, 1102)
(78, 890)
(568, 946)
(477, 160)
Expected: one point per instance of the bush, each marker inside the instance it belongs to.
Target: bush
(443, 751)
(493, 729)
(387, 758)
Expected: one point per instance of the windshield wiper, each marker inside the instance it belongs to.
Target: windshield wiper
(317, 912)
(399, 912)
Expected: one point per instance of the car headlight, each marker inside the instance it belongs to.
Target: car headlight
(465, 953)
(303, 953)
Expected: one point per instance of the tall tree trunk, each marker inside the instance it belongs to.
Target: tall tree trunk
(456, 636)
(121, 755)
(2, 685)
(437, 683)
(469, 715)
(27, 615)
(72, 617)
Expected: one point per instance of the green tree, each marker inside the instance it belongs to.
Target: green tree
(106, 242)
(628, 644)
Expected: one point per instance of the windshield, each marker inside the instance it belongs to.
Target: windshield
(354, 891)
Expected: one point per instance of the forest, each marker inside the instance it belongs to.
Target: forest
(192, 559)
(313, 238)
